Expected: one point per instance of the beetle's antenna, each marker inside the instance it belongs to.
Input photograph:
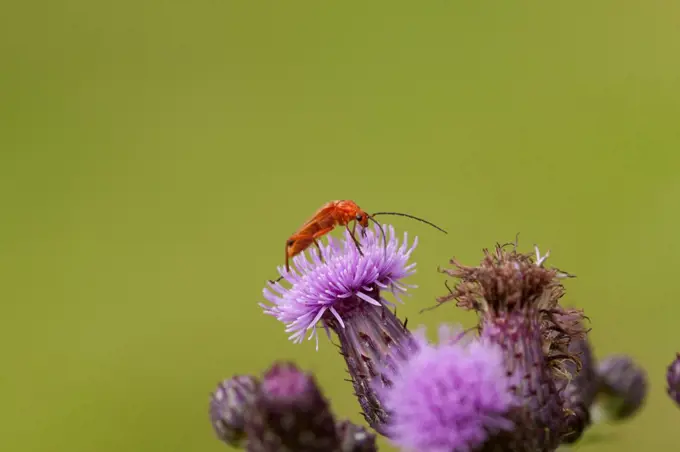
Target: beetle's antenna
(412, 217)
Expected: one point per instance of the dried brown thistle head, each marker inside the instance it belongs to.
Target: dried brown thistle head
(509, 283)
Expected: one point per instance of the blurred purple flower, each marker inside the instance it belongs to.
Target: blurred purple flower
(673, 379)
(328, 290)
(451, 397)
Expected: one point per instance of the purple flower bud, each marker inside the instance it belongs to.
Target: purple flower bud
(516, 299)
(344, 293)
(355, 438)
(454, 396)
(290, 414)
(228, 406)
(673, 379)
(623, 387)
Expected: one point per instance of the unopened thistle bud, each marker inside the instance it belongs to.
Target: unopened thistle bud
(673, 379)
(355, 438)
(290, 414)
(623, 387)
(228, 406)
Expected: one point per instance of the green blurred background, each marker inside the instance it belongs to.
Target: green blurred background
(156, 155)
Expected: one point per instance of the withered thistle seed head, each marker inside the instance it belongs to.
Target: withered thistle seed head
(673, 379)
(507, 282)
(228, 405)
(517, 300)
(290, 414)
(623, 387)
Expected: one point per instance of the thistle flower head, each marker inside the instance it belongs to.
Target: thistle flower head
(228, 405)
(323, 290)
(511, 284)
(452, 396)
(290, 413)
(623, 387)
(506, 280)
(673, 379)
(517, 300)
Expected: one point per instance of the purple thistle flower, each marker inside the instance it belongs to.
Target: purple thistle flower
(324, 291)
(623, 387)
(673, 379)
(516, 299)
(452, 397)
(228, 405)
(344, 293)
(290, 414)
